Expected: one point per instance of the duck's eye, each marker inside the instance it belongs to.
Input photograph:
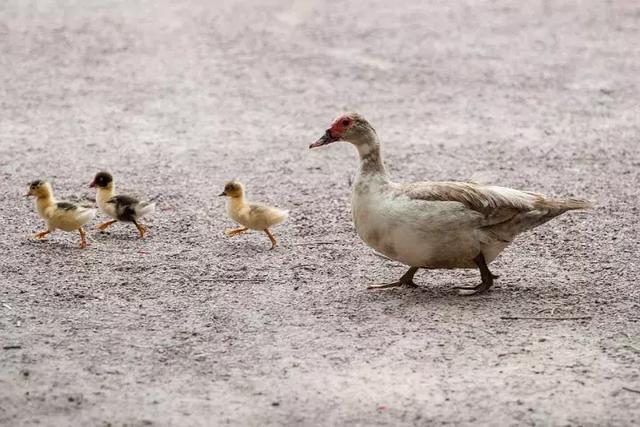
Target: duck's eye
(346, 122)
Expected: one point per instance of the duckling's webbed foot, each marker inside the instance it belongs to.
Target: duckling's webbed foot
(41, 234)
(487, 279)
(141, 228)
(103, 226)
(405, 280)
(230, 232)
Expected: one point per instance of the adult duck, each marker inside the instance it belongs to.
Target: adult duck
(435, 225)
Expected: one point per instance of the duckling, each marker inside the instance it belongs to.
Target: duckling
(436, 224)
(59, 215)
(254, 216)
(119, 207)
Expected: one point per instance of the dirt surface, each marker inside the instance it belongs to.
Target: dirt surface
(187, 327)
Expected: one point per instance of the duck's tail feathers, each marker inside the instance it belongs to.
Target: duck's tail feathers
(85, 215)
(280, 216)
(545, 210)
(144, 208)
(563, 205)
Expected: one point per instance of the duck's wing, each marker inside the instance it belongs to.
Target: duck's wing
(261, 209)
(257, 208)
(123, 200)
(506, 212)
(125, 207)
(129, 208)
(486, 199)
(66, 206)
(71, 214)
(268, 214)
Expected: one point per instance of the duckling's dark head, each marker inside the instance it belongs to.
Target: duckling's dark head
(232, 189)
(102, 180)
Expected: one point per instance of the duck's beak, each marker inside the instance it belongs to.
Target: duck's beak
(28, 194)
(327, 138)
(92, 185)
(222, 194)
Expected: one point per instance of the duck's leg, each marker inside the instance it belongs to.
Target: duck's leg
(106, 224)
(41, 234)
(230, 232)
(141, 228)
(83, 240)
(405, 280)
(487, 278)
(274, 242)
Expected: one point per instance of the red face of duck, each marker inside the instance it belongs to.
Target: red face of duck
(335, 133)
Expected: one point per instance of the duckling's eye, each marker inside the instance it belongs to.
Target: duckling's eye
(346, 122)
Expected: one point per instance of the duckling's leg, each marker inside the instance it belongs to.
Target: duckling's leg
(41, 234)
(83, 240)
(274, 242)
(405, 280)
(141, 228)
(487, 278)
(235, 231)
(106, 224)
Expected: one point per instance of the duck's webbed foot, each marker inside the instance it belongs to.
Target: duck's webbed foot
(41, 234)
(487, 279)
(103, 226)
(405, 280)
(230, 232)
(473, 290)
(141, 228)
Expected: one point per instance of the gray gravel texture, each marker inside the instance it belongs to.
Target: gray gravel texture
(187, 327)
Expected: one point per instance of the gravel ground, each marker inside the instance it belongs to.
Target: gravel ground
(187, 327)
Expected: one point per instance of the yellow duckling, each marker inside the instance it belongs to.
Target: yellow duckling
(254, 216)
(59, 215)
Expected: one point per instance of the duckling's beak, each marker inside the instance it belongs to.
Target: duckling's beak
(327, 138)
(28, 194)
(222, 194)
(92, 185)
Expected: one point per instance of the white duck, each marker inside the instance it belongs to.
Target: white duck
(436, 224)
(59, 215)
(119, 207)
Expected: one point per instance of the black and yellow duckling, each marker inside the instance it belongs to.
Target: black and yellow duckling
(120, 207)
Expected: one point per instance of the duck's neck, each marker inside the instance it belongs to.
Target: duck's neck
(105, 194)
(236, 203)
(44, 202)
(371, 165)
